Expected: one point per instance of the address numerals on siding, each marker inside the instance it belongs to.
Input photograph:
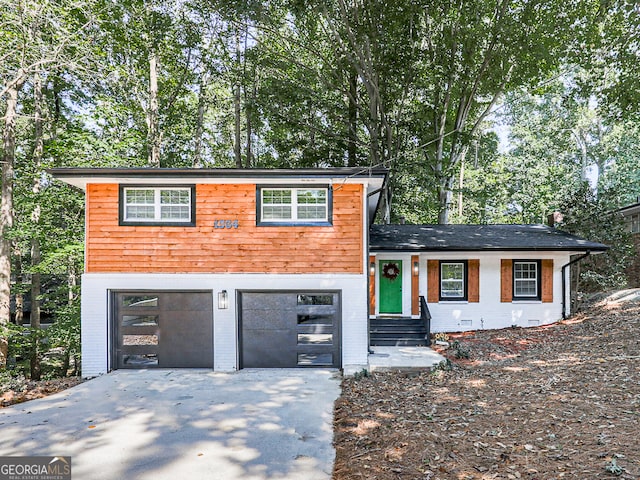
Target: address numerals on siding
(225, 224)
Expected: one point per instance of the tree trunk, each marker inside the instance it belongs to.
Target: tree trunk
(202, 106)
(18, 316)
(35, 219)
(6, 207)
(460, 187)
(72, 282)
(237, 92)
(153, 130)
(249, 152)
(353, 120)
(35, 310)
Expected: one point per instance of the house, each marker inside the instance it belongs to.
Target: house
(631, 215)
(225, 268)
(236, 268)
(473, 276)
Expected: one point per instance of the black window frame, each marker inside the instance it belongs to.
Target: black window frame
(538, 296)
(123, 222)
(294, 223)
(465, 281)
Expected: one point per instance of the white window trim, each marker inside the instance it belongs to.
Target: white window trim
(535, 280)
(462, 281)
(157, 205)
(294, 205)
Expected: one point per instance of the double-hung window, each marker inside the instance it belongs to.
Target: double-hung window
(453, 280)
(298, 205)
(526, 280)
(146, 205)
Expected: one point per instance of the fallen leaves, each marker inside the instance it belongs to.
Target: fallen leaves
(560, 401)
(31, 389)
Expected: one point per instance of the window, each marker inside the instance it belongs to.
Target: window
(157, 205)
(453, 280)
(526, 280)
(633, 221)
(280, 205)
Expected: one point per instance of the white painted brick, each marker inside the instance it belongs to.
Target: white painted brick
(95, 310)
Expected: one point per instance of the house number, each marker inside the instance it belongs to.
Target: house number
(225, 224)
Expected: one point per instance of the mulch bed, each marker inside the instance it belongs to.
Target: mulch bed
(554, 402)
(24, 390)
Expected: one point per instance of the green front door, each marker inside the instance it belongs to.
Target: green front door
(390, 275)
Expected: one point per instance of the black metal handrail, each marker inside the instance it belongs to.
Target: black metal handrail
(425, 316)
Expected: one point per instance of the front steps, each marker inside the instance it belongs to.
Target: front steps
(398, 331)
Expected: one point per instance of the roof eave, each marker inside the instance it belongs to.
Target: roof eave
(594, 250)
(80, 177)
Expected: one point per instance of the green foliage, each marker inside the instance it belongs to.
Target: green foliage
(11, 380)
(443, 366)
(65, 332)
(362, 374)
(461, 351)
(613, 467)
(590, 216)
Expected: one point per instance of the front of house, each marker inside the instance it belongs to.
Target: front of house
(473, 276)
(225, 269)
(229, 269)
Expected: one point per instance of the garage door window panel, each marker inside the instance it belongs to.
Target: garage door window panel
(139, 301)
(315, 359)
(139, 320)
(315, 339)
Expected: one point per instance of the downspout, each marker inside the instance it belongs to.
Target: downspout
(564, 281)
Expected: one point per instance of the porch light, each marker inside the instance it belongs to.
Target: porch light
(223, 300)
(416, 268)
(372, 268)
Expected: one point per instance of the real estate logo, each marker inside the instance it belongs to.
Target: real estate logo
(35, 468)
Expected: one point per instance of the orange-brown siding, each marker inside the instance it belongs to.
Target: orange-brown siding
(204, 249)
(372, 285)
(547, 280)
(506, 280)
(474, 281)
(433, 281)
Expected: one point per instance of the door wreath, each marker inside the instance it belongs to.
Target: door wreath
(390, 271)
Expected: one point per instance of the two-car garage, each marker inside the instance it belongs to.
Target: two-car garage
(276, 329)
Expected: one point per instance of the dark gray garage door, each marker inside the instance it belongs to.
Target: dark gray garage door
(163, 329)
(289, 329)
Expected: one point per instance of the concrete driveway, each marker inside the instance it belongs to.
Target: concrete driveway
(184, 424)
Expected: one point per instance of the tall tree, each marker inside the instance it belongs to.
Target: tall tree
(36, 36)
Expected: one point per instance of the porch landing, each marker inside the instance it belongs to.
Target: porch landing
(394, 359)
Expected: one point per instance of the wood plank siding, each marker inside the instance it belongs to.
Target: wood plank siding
(547, 280)
(506, 280)
(111, 247)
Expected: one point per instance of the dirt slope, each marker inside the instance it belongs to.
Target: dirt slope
(558, 402)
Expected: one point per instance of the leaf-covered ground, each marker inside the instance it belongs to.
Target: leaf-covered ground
(556, 402)
(18, 389)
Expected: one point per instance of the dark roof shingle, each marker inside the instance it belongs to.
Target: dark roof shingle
(476, 237)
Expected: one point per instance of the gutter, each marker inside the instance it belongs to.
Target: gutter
(564, 281)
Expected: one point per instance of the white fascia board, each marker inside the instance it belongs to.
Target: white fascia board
(372, 183)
